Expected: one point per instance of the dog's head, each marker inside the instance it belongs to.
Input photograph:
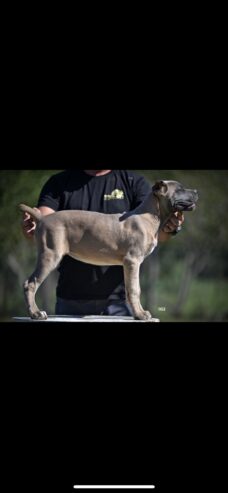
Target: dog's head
(174, 197)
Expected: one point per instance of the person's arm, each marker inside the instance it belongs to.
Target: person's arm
(48, 203)
(170, 228)
(29, 225)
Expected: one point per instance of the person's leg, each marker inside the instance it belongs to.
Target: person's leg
(79, 307)
(66, 307)
(119, 309)
(93, 307)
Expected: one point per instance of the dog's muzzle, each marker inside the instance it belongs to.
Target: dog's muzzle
(185, 202)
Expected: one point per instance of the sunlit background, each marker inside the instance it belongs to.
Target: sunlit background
(185, 279)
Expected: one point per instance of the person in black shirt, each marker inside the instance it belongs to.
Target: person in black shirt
(85, 289)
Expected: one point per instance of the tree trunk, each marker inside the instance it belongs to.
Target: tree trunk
(194, 265)
(150, 271)
(185, 284)
(15, 267)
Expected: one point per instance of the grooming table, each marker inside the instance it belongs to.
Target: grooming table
(90, 319)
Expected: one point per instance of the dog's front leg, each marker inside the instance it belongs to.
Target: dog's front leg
(132, 286)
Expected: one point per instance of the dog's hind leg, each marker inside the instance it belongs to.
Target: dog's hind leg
(132, 286)
(45, 265)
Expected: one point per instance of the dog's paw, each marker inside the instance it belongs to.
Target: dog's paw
(43, 315)
(39, 315)
(144, 315)
(147, 315)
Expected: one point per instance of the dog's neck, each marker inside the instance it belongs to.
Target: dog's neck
(149, 206)
(154, 210)
(151, 209)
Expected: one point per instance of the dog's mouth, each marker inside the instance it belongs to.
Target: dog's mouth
(191, 207)
(184, 206)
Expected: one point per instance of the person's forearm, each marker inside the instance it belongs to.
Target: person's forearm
(162, 236)
(171, 227)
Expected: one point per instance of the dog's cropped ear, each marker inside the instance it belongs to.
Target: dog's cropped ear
(160, 188)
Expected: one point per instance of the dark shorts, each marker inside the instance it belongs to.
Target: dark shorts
(93, 307)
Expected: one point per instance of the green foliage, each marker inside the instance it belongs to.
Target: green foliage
(207, 301)
(17, 186)
(193, 266)
(205, 232)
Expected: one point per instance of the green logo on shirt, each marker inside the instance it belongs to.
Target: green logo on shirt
(116, 194)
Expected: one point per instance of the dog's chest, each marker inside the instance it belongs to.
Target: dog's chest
(151, 247)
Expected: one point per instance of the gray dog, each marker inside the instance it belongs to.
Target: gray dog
(105, 239)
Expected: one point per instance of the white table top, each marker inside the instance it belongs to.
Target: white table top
(90, 319)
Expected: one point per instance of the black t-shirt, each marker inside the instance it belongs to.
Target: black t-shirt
(116, 192)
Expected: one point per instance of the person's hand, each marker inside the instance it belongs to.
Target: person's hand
(174, 222)
(28, 224)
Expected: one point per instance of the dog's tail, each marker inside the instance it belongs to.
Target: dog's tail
(34, 213)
